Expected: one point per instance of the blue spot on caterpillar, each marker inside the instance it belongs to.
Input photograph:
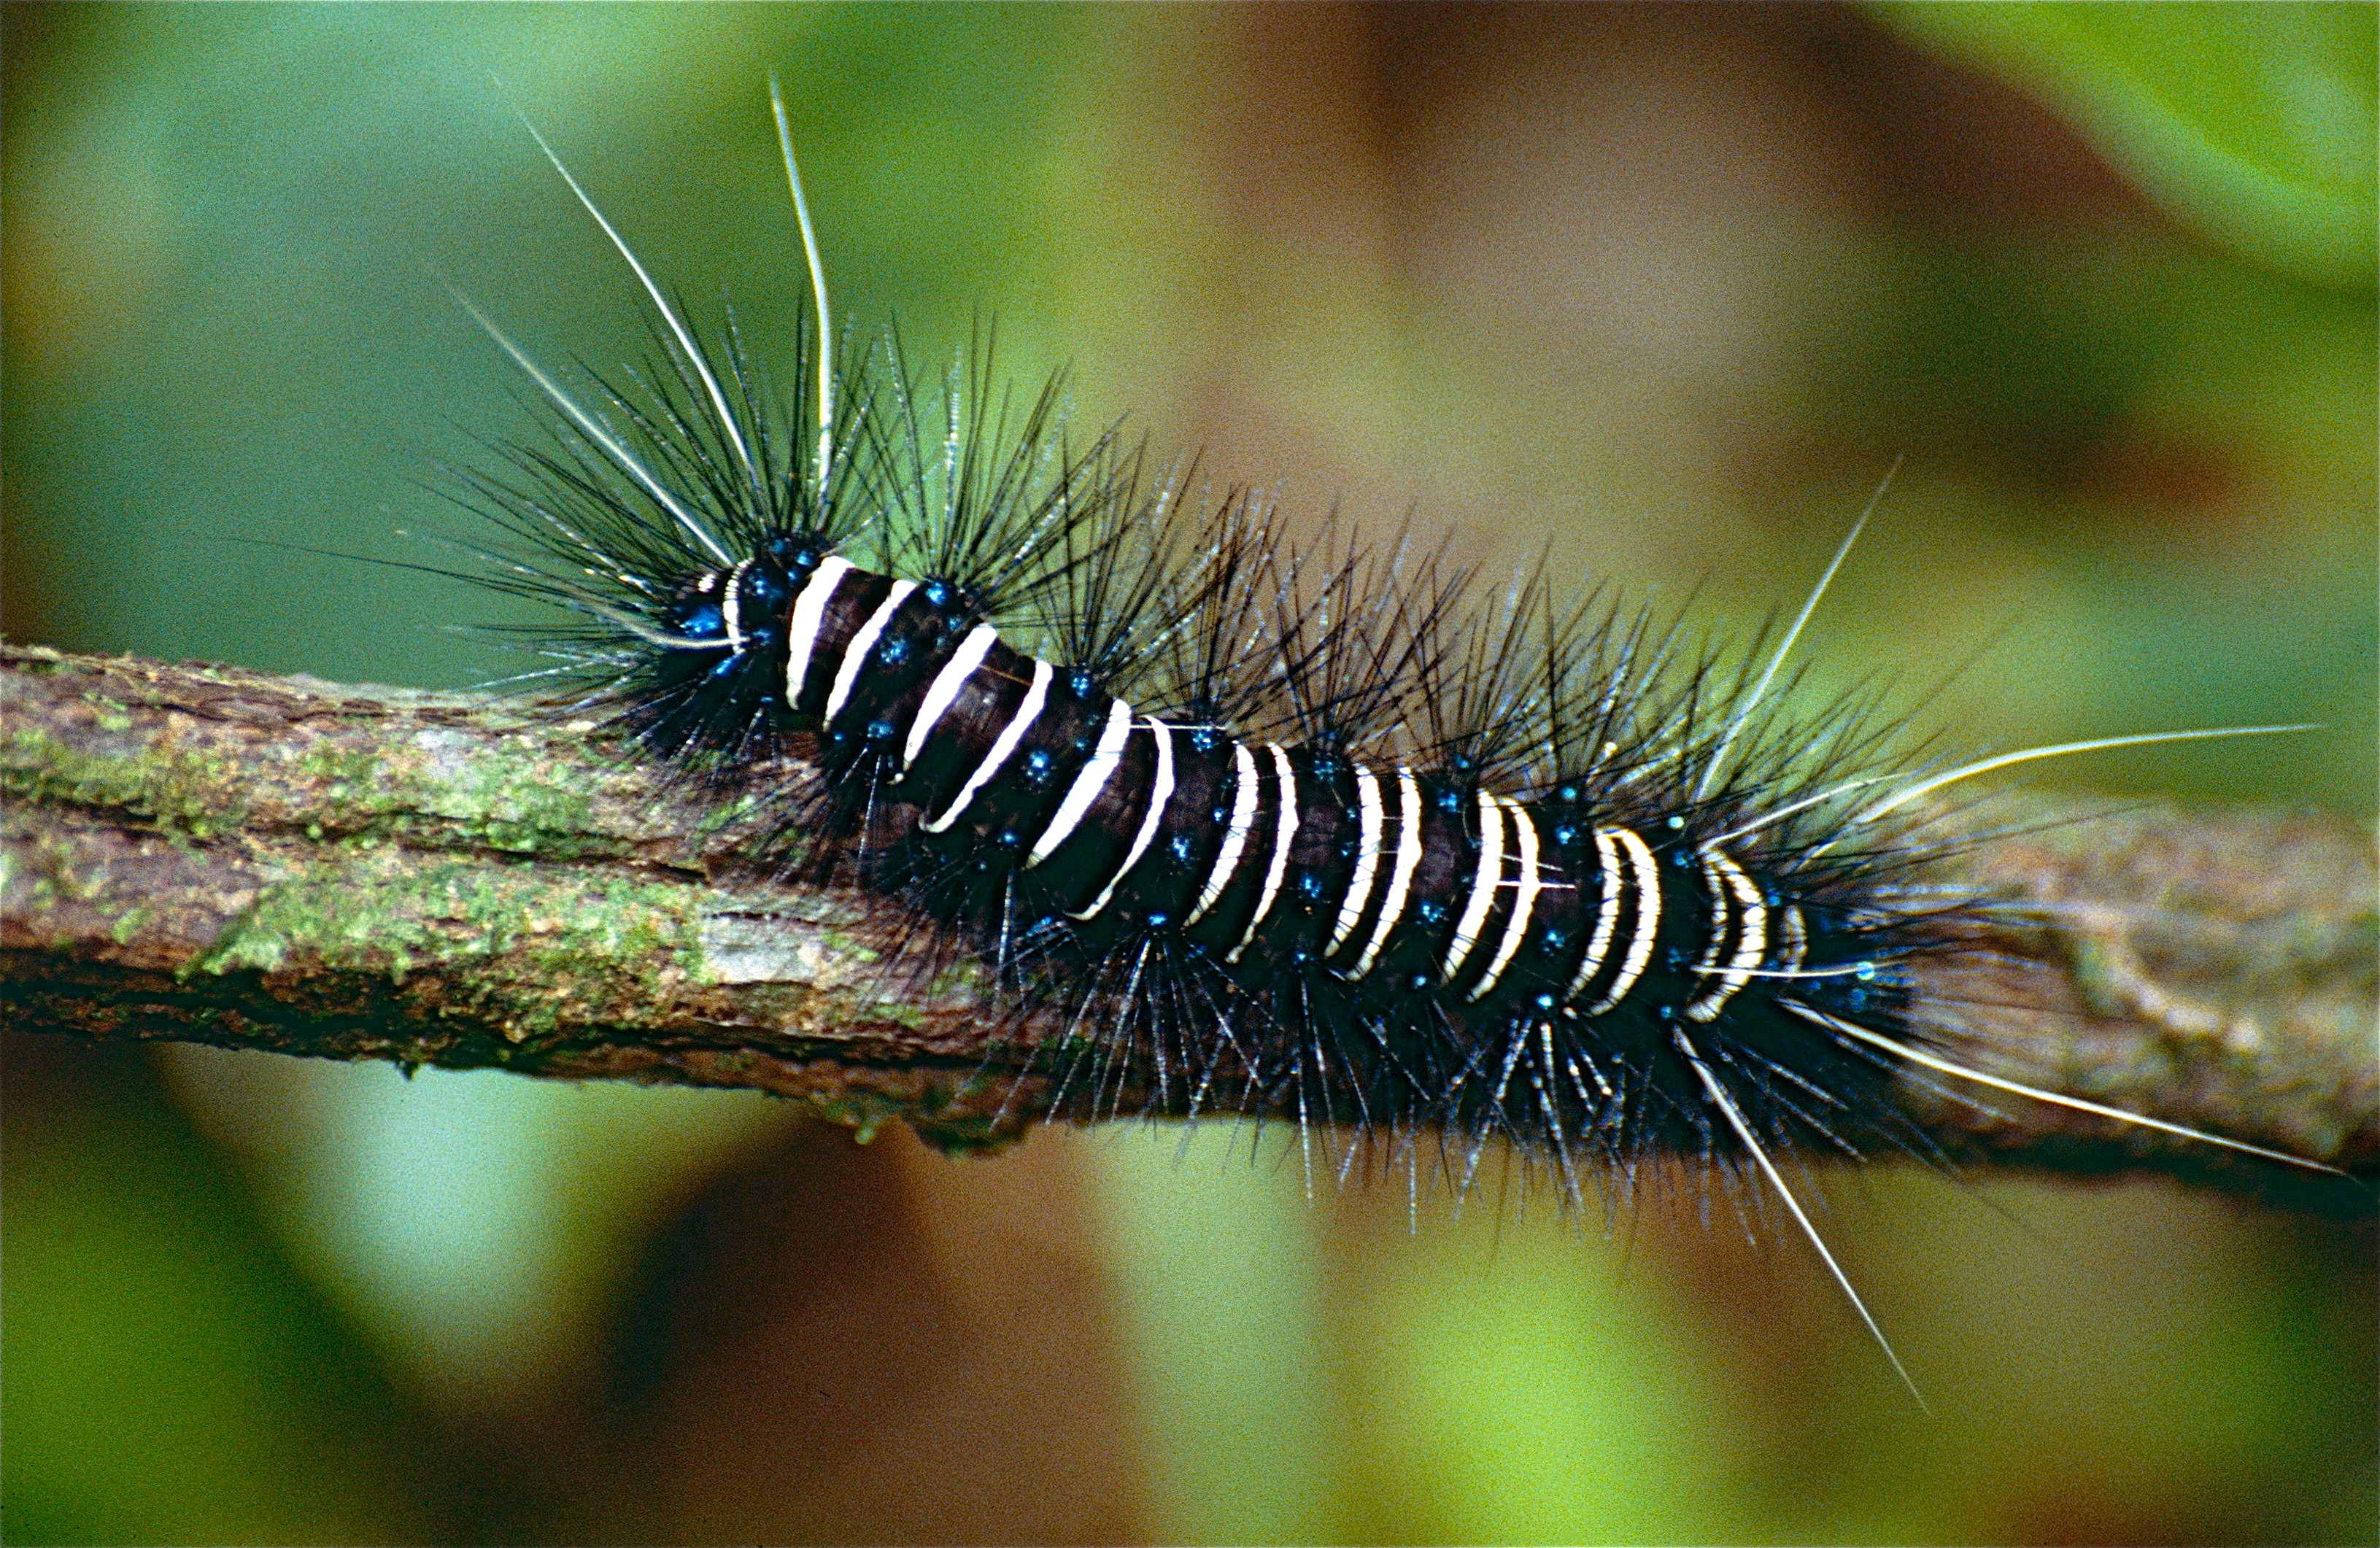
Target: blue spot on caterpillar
(1275, 826)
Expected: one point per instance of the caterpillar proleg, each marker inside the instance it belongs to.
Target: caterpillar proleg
(1321, 826)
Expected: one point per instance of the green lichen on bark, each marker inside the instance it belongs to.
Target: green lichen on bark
(609, 945)
(180, 792)
(203, 854)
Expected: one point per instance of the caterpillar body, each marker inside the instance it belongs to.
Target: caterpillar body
(1262, 826)
(1296, 884)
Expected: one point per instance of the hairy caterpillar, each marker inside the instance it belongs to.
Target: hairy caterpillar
(1271, 826)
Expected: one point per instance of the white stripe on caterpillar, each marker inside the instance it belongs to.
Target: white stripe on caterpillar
(1751, 936)
(1235, 836)
(1285, 831)
(1087, 784)
(1607, 913)
(1483, 887)
(1524, 900)
(854, 655)
(1367, 857)
(1400, 870)
(944, 691)
(1797, 943)
(808, 617)
(1646, 878)
(1160, 790)
(731, 604)
(1001, 746)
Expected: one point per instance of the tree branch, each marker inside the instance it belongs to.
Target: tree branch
(208, 854)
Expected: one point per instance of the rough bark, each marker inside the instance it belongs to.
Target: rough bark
(209, 854)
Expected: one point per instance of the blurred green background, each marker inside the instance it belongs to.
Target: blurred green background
(1665, 289)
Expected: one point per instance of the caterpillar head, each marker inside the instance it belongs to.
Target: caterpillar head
(718, 675)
